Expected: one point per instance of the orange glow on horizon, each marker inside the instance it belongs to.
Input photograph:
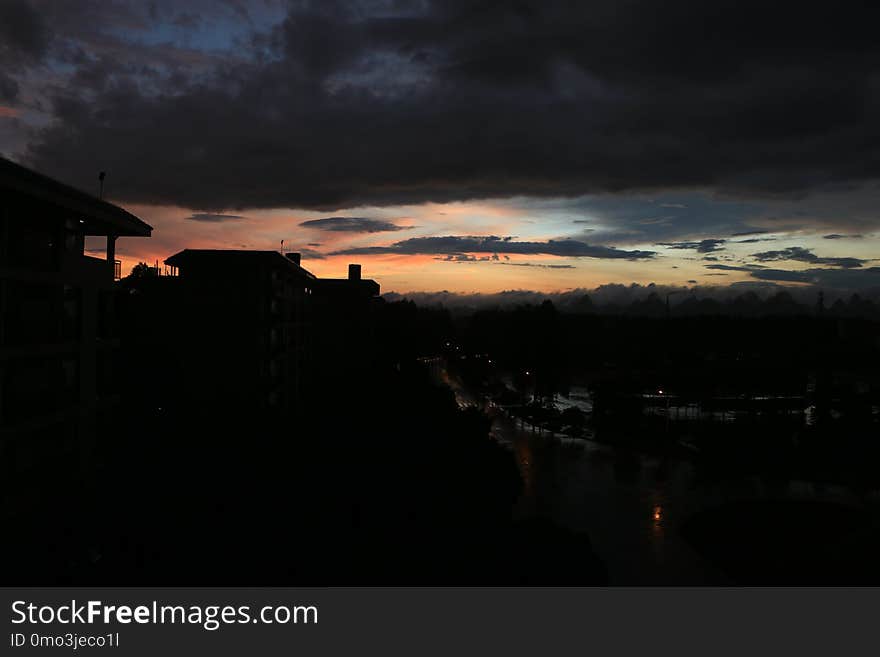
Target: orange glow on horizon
(176, 228)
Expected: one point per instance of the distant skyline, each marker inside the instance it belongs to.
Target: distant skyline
(469, 147)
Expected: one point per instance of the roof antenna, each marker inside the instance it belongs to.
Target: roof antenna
(101, 177)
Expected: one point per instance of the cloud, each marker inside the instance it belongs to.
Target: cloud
(346, 104)
(753, 298)
(731, 267)
(213, 218)
(835, 278)
(496, 260)
(24, 43)
(24, 36)
(535, 264)
(749, 233)
(353, 225)
(625, 218)
(308, 254)
(466, 257)
(806, 255)
(703, 246)
(454, 245)
(842, 279)
(838, 236)
(8, 90)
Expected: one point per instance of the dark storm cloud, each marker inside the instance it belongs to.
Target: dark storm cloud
(24, 36)
(703, 246)
(24, 41)
(187, 20)
(8, 88)
(805, 255)
(351, 103)
(455, 245)
(214, 218)
(353, 225)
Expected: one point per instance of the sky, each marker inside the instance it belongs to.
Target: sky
(468, 146)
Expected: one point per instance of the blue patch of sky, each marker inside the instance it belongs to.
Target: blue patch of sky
(217, 31)
(641, 218)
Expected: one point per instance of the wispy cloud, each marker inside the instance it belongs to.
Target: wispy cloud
(454, 244)
(799, 253)
(702, 246)
(209, 217)
(353, 225)
(536, 264)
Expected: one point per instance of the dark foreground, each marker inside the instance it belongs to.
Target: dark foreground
(381, 477)
(398, 486)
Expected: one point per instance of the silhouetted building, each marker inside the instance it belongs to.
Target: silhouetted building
(237, 332)
(243, 324)
(345, 326)
(247, 330)
(58, 345)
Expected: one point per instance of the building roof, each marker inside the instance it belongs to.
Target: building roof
(346, 286)
(232, 257)
(101, 214)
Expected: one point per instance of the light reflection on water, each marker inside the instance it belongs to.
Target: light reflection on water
(630, 504)
(524, 458)
(625, 502)
(633, 505)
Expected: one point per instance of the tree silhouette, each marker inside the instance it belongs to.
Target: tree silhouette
(140, 270)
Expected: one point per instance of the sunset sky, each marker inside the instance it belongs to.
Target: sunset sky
(468, 146)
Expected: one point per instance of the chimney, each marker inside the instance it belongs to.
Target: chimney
(295, 258)
(354, 272)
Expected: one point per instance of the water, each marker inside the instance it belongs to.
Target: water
(632, 505)
(629, 504)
